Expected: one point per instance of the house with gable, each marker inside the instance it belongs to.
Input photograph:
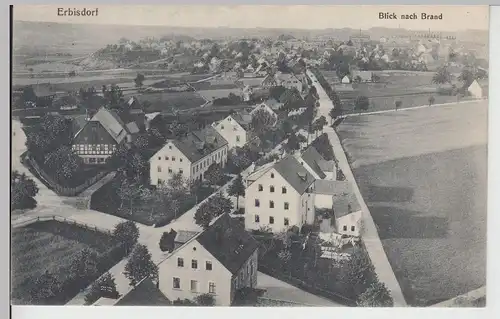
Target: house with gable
(99, 137)
(278, 196)
(235, 128)
(316, 165)
(478, 90)
(190, 155)
(265, 107)
(219, 261)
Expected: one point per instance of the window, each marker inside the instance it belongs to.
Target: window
(159, 157)
(237, 138)
(166, 158)
(208, 265)
(261, 188)
(257, 203)
(177, 283)
(211, 287)
(181, 170)
(271, 204)
(283, 190)
(257, 219)
(352, 228)
(170, 147)
(159, 169)
(271, 189)
(194, 286)
(194, 264)
(272, 175)
(345, 228)
(222, 127)
(271, 220)
(180, 262)
(160, 181)
(173, 158)
(169, 170)
(180, 160)
(286, 222)
(286, 206)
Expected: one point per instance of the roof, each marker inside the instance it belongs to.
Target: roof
(183, 236)
(342, 196)
(243, 118)
(144, 294)
(227, 240)
(132, 128)
(341, 204)
(294, 173)
(78, 123)
(111, 123)
(329, 187)
(43, 91)
(317, 163)
(198, 144)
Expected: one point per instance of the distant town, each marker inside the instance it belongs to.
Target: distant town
(175, 170)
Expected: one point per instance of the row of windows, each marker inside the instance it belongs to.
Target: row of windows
(193, 285)
(286, 221)
(208, 161)
(94, 160)
(271, 188)
(345, 228)
(167, 158)
(169, 170)
(286, 205)
(94, 147)
(194, 264)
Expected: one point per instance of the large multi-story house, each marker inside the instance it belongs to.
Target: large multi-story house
(190, 155)
(99, 137)
(236, 129)
(219, 261)
(278, 196)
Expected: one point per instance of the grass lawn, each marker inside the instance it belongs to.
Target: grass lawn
(423, 176)
(167, 101)
(49, 245)
(107, 201)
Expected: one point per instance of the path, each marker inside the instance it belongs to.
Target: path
(279, 290)
(370, 235)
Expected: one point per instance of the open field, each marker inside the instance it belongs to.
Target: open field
(167, 101)
(423, 176)
(49, 245)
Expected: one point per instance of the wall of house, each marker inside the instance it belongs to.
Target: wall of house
(167, 162)
(308, 210)
(247, 276)
(351, 224)
(94, 144)
(218, 156)
(219, 275)
(322, 201)
(235, 135)
(294, 213)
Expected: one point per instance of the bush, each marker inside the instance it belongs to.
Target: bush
(167, 241)
(102, 287)
(205, 300)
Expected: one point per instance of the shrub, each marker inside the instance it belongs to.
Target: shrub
(205, 300)
(102, 287)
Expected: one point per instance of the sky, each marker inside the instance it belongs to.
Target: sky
(455, 18)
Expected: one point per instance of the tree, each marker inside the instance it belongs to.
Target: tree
(105, 286)
(45, 287)
(323, 146)
(205, 300)
(237, 189)
(84, 266)
(113, 98)
(361, 103)
(431, 100)
(195, 187)
(357, 272)
(22, 190)
(377, 295)
(335, 112)
(262, 121)
(320, 123)
(466, 77)
(287, 127)
(214, 174)
(28, 95)
(213, 207)
(140, 265)
(127, 233)
(397, 104)
(292, 144)
(139, 80)
(276, 92)
(167, 241)
(442, 76)
(63, 162)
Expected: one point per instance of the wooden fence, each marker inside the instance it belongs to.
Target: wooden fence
(59, 189)
(63, 220)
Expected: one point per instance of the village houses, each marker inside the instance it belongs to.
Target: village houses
(316, 165)
(190, 156)
(219, 261)
(235, 128)
(278, 196)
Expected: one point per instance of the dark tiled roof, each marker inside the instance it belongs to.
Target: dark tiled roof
(112, 123)
(243, 118)
(199, 144)
(144, 294)
(294, 173)
(313, 158)
(228, 242)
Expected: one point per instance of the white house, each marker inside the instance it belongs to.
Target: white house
(339, 197)
(218, 261)
(191, 156)
(235, 128)
(265, 107)
(316, 165)
(346, 80)
(279, 196)
(477, 90)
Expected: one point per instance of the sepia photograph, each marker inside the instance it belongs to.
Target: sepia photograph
(195, 155)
